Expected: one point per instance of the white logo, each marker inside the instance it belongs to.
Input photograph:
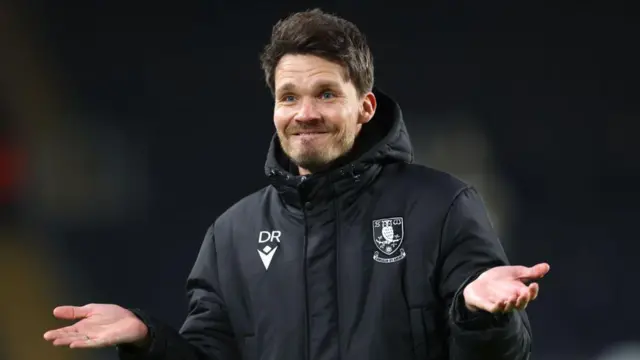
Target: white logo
(388, 235)
(268, 242)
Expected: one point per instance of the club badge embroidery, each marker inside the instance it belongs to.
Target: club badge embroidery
(388, 235)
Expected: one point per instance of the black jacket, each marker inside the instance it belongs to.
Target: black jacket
(364, 261)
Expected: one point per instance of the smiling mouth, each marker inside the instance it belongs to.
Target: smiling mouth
(310, 133)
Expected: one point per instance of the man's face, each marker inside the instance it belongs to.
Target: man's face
(317, 112)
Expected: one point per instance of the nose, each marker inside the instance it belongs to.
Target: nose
(307, 111)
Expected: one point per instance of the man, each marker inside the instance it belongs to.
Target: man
(352, 252)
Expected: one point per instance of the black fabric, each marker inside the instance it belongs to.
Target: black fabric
(366, 260)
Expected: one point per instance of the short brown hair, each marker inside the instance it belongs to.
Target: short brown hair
(330, 37)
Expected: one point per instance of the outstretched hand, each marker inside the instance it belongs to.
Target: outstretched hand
(504, 288)
(99, 325)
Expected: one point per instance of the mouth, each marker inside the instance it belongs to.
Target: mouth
(309, 134)
(303, 133)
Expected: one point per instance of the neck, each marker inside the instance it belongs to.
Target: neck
(302, 171)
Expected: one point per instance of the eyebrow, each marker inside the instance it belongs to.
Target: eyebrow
(320, 84)
(285, 88)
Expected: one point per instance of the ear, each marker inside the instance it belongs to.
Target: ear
(367, 108)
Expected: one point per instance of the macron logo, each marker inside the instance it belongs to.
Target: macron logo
(268, 242)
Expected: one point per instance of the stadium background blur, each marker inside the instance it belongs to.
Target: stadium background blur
(127, 127)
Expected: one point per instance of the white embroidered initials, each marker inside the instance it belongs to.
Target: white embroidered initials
(268, 242)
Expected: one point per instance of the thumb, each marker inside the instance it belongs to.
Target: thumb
(71, 312)
(532, 273)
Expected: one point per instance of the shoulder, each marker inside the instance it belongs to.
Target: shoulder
(457, 200)
(421, 179)
(248, 207)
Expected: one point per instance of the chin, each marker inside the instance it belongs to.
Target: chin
(310, 161)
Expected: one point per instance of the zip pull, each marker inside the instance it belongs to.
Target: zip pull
(356, 177)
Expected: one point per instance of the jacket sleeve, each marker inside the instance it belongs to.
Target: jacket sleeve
(469, 247)
(206, 333)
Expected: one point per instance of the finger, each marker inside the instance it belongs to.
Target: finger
(534, 289)
(497, 307)
(508, 306)
(493, 299)
(508, 292)
(71, 312)
(500, 296)
(504, 296)
(525, 295)
(517, 271)
(535, 272)
(523, 300)
(522, 304)
(64, 341)
(540, 270)
(87, 343)
(60, 333)
(512, 301)
(505, 304)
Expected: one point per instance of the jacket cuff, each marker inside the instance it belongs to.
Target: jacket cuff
(465, 319)
(483, 332)
(155, 347)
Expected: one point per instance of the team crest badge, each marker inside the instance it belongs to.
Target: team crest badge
(388, 235)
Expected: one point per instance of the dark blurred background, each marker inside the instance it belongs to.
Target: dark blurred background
(127, 127)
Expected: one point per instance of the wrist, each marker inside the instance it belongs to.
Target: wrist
(144, 336)
(468, 306)
(143, 343)
(145, 339)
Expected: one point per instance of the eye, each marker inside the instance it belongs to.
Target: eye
(288, 98)
(326, 95)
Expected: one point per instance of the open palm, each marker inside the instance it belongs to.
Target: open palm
(100, 325)
(504, 288)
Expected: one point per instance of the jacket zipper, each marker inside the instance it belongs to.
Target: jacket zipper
(307, 348)
(338, 277)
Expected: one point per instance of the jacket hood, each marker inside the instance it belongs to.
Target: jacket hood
(384, 139)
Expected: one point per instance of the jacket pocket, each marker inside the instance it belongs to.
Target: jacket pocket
(429, 339)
